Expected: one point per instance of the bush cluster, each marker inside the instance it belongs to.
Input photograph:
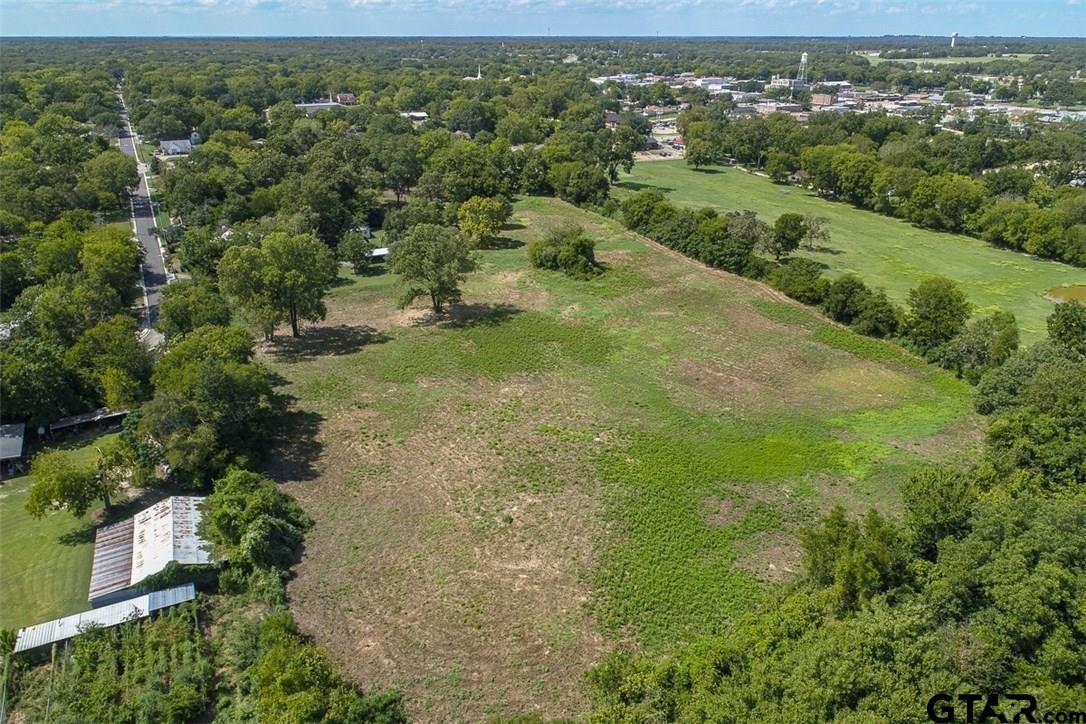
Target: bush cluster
(567, 249)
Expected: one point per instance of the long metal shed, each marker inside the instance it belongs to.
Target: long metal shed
(61, 629)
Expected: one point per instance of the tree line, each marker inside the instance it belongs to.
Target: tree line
(1012, 192)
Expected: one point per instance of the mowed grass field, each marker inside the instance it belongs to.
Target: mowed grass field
(953, 60)
(45, 564)
(561, 467)
(885, 252)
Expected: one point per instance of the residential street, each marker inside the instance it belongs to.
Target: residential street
(143, 221)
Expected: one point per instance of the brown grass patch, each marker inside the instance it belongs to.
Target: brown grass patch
(772, 556)
(451, 563)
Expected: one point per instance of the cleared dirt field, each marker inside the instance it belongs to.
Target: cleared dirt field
(562, 467)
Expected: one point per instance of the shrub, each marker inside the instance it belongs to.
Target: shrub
(845, 298)
(355, 249)
(802, 280)
(567, 249)
(985, 343)
(878, 316)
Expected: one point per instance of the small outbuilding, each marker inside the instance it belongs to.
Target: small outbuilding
(128, 552)
(101, 418)
(12, 446)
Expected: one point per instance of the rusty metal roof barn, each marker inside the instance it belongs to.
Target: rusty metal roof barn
(128, 552)
(61, 629)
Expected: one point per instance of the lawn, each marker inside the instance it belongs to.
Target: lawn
(503, 496)
(45, 563)
(885, 252)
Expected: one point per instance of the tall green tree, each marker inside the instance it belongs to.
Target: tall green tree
(111, 257)
(61, 483)
(249, 521)
(938, 310)
(35, 385)
(106, 178)
(1067, 326)
(285, 278)
(433, 262)
(187, 305)
(788, 231)
(112, 363)
(481, 219)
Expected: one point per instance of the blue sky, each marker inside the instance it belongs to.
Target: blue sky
(542, 17)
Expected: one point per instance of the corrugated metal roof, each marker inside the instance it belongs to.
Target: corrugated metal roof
(60, 629)
(11, 440)
(167, 532)
(128, 552)
(112, 567)
(102, 413)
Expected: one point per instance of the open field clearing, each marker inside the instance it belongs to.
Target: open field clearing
(885, 252)
(44, 564)
(563, 466)
(955, 60)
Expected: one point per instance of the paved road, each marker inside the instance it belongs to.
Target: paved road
(143, 220)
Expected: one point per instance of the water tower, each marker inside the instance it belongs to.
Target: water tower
(802, 76)
(953, 39)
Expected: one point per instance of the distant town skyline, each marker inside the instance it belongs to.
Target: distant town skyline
(648, 18)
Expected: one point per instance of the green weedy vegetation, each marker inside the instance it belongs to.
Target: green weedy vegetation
(157, 670)
(493, 348)
(973, 589)
(884, 252)
(653, 437)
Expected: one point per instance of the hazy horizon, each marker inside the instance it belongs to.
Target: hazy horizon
(537, 18)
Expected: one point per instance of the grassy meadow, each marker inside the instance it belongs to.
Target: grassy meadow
(559, 467)
(885, 252)
(45, 564)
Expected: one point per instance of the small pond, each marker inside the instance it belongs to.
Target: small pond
(1066, 294)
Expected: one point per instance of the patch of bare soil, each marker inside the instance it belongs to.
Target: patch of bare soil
(450, 562)
(772, 556)
(956, 441)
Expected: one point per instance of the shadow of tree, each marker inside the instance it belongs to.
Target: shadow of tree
(80, 536)
(373, 269)
(462, 316)
(637, 186)
(513, 226)
(503, 242)
(293, 446)
(333, 341)
(824, 250)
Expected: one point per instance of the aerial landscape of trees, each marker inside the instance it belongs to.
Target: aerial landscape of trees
(968, 576)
